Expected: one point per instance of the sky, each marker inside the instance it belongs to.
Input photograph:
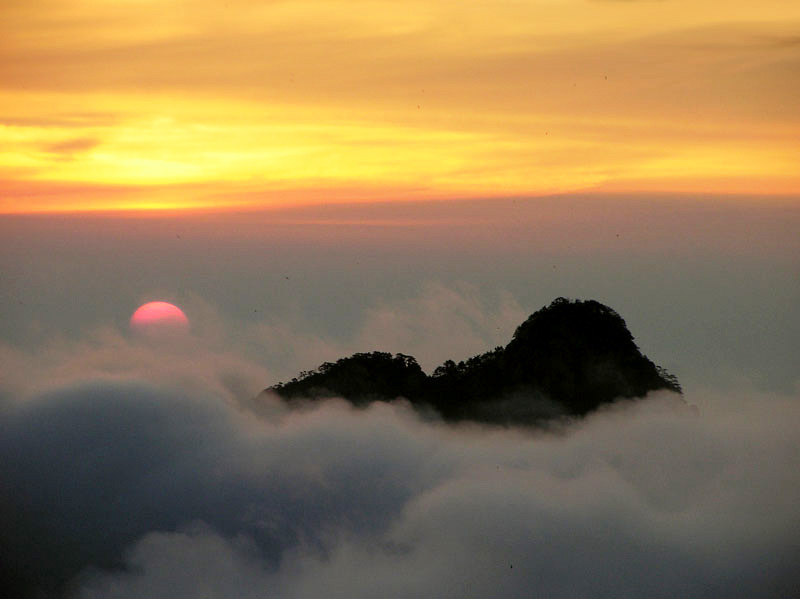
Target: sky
(137, 466)
(306, 180)
(138, 104)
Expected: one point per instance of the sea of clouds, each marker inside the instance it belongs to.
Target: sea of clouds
(135, 469)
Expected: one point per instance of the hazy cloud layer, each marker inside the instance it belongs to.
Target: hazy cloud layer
(708, 288)
(236, 359)
(194, 363)
(133, 468)
(199, 498)
(442, 322)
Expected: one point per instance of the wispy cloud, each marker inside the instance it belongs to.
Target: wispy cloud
(70, 147)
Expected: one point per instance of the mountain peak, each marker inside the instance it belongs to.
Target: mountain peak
(566, 359)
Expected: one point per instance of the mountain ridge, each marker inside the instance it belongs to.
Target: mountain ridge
(565, 360)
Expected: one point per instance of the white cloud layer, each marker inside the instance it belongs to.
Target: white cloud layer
(196, 497)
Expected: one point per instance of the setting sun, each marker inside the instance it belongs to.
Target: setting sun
(156, 318)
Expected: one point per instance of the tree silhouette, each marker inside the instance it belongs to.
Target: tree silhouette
(566, 359)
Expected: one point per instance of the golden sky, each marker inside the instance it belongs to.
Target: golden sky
(182, 103)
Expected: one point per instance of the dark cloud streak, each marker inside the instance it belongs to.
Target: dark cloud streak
(72, 146)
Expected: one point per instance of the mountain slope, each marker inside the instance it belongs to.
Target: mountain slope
(566, 359)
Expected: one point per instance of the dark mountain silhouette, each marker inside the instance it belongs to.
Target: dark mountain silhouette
(566, 359)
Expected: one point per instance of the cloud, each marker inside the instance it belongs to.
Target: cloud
(204, 361)
(235, 360)
(433, 324)
(130, 490)
(72, 146)
(439, 321)
(136, 469)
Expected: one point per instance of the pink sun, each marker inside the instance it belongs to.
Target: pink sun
(157, 318)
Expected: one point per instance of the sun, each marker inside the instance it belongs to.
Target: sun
(159, 318)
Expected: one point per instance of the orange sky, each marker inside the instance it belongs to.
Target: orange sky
(136, 104)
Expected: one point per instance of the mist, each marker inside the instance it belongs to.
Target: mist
(137, 468)
(127, 490)
(708, 286)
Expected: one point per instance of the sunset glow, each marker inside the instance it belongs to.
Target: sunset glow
(383, 298)
(142, 105)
